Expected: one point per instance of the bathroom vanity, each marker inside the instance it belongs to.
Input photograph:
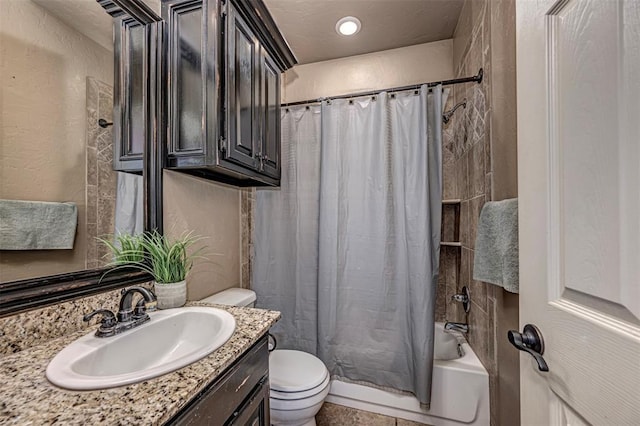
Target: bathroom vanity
(239, 397)
(229, 386)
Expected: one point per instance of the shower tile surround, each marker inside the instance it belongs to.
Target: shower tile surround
(247, 214)
(101, 178)
(473, 142)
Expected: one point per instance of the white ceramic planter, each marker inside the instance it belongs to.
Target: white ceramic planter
(172, 295)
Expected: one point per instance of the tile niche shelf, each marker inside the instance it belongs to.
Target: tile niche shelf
(451, 207)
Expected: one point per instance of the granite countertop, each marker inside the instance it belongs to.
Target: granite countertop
(27, 397)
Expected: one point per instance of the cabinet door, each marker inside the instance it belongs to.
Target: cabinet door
(242, 56)
(255, 410)
(269, 116)
(234, 396)
(186, 84)
(131, 93)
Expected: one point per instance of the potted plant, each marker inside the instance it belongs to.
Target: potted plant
(126, 249)
(167, 260)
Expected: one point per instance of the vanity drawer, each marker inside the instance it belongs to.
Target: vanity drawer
(222, 399)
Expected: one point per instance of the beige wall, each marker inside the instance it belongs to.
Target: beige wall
(43, 123)
(211, 210)
(380, 70)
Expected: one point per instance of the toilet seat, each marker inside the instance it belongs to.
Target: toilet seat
(301, 403)
(292, 396)
(299, 385)
(295, 371)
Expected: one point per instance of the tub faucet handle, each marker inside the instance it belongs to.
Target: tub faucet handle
(464, 298)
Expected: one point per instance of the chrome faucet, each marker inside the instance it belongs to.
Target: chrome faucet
(456, 326)
(128, 316)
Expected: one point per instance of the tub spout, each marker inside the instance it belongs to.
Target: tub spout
(456, 326)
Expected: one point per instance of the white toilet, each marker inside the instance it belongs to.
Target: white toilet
(299, 381)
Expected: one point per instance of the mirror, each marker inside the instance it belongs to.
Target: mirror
(57, 73)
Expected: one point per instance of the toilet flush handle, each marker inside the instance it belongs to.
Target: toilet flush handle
(272, 343)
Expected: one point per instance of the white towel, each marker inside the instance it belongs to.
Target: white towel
(496, 256)
(37, 225)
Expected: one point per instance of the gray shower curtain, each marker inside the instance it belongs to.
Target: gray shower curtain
(348, 247)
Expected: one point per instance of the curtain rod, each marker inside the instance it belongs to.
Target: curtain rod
(476, 78)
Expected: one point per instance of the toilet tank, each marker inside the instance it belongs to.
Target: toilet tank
(233, 297)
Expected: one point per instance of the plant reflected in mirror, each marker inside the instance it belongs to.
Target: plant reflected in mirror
(125, 249)
(167, 260)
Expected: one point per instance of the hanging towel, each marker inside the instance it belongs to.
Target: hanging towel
(37, 225)
(496, 256)
(129, 205)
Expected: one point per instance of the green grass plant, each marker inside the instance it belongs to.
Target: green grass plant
(170, 261)
(167, 260)
(127, 248)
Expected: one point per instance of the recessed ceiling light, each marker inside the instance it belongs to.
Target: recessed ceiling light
(349, 25)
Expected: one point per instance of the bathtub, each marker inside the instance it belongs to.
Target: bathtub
(459, 392)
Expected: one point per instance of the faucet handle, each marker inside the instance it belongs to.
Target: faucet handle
(126, 312)
(464, 298)
(142, 307)
(108, 318)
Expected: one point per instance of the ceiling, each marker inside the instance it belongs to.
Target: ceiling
(88, 17)
(309, 25)
(85, 16)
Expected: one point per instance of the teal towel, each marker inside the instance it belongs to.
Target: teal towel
(496, 255)
(37, 225)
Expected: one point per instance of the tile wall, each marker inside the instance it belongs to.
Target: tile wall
(101, 178)
(247, 214)
(479, 165)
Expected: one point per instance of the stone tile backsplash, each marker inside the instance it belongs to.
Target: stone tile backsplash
(31, 328)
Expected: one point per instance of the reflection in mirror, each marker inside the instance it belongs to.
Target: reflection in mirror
(57, 73)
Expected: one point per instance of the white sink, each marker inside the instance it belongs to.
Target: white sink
(172, 339)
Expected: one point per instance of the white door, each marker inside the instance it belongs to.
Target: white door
(578, 65)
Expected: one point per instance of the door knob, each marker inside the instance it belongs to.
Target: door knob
(530, 341)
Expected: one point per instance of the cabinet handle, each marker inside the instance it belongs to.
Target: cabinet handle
(243, 383)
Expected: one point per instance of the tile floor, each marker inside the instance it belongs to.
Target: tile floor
(338, 415)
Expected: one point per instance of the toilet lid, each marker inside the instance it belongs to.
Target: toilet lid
(295, 371)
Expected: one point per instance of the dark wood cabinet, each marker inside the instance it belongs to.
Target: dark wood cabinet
(225, 61)
(130, 93)
(255, 410)
(269, 116)
(193, 117)
(240, 396)
(242, 52)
